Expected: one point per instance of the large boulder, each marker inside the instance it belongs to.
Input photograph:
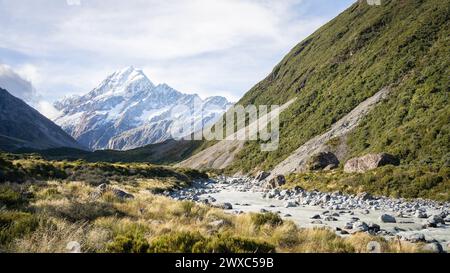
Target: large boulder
(226, 206)
(369, 162)
(103, 188)
(261, 176)
(433, 247)
(277, 181)
(386, 218)
(122, 194)
(321, 161)
(365, 196)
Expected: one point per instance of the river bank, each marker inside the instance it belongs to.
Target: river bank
(416, 220)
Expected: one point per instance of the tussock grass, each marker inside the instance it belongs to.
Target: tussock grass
(60, 212)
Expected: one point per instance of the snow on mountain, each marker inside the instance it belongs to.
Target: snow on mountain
(127, 111)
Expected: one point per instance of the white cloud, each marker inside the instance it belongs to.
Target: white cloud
(47, 109)
(30, 73)
(210, 47)
(22, 88)
(15, 84)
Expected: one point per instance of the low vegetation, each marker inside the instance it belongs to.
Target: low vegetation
(23, 168)
(46, 216)
(404, 181)
(347, 61)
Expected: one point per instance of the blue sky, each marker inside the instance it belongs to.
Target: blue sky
(209, 47)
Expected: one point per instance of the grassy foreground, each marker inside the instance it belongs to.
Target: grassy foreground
(46, 216)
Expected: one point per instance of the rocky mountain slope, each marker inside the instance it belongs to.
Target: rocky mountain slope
(400, 45)
(127, 111)
(23, 127)
(221, 154)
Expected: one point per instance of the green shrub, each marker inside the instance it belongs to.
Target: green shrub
(227, 243)
(179, 242)
(11, 198)
(16, 224)
(77, 211)
(128, 243)
(403, 181)
(190, 242)
(269, 218)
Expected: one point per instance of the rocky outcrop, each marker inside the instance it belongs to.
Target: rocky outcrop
(322, 161)
(222, 154)
(276, 182)
(297, 161)
(261, 176)
(103, 188)
(369, 162)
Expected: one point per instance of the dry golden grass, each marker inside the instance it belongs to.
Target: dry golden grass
(72, 215)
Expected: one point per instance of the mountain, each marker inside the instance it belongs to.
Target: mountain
(374, 79)
(127, 111)
(166, 152)
(23, 127)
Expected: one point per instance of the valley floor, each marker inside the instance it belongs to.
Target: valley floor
(63, 216)
(416, 220)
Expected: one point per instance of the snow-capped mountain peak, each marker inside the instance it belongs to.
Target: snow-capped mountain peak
(125, 82)
(127, 111)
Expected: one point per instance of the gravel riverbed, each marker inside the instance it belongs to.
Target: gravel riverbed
(411, 220)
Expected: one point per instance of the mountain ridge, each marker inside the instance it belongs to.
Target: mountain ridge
(21, 126)
(347, 61)
(128, 111)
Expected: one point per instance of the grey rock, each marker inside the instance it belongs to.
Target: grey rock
(374, 228)
(325, 198)
(330, 219)
(434, 247)
(73, 247)
(261, 176)
(227, 206)
(217, 223)
(365, 196)
(414, 238)
(290, 204)
(386, 218)
(322, 160)
(421, 215)
(277, 181)
(437, 219)
(360, 226)
(122, 194)
(348, 226)
(369, 162)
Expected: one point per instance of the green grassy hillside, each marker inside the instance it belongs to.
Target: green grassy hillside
(404, 45)
(167, 152)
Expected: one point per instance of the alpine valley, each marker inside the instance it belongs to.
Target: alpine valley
(362, 165)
